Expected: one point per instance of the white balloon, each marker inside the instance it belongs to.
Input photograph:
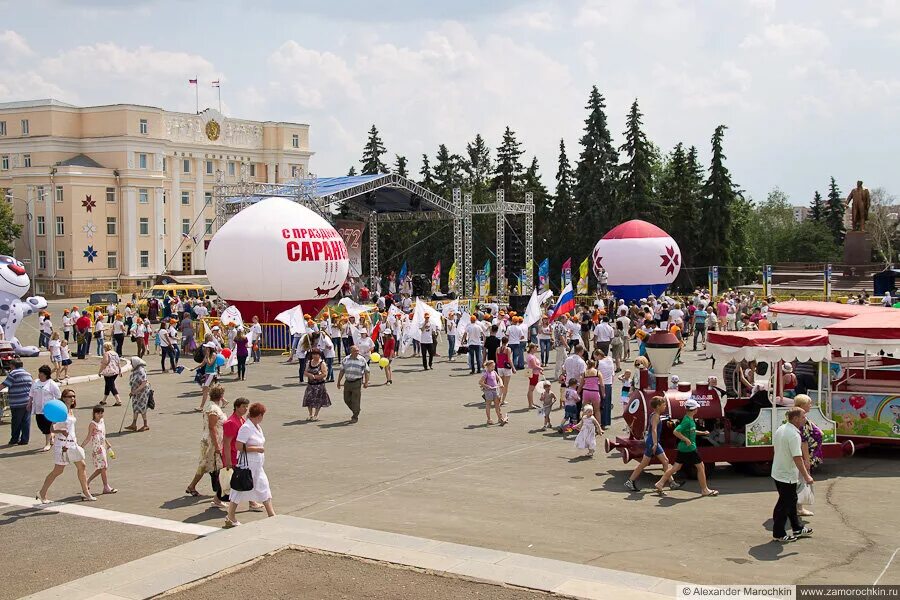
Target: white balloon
(276, 250)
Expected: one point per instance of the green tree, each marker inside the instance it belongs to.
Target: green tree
(817, 208)
(812, 242)
(595, 188)
(544, 224)
(681, 186)
(10, 231)
(772, 229)
(426, 177)
(372, 153)
(448, 172)
(724, 214)
(508, 170)
(564, 213)
(834, 212)
(351, 172)
(636, 197)
(400, 166)
(478, 168)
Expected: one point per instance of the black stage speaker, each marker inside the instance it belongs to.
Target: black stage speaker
(518, 304)
(421, 286)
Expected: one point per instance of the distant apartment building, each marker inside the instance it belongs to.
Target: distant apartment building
(111, 196)
(801, 213)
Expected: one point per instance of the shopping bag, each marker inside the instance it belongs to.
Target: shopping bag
(805, 494)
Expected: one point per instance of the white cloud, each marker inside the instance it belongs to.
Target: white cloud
(13, 46)
(541, 20)
(787, 37)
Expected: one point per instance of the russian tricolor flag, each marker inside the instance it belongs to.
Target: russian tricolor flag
(565, 304)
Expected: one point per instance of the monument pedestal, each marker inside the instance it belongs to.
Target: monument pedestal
(857, 248)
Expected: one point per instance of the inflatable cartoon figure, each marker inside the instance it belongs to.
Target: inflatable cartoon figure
(14, 282)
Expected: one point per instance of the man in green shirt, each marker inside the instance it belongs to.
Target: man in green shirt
(686, 432)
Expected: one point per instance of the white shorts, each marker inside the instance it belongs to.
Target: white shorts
(210, 379)
(505, 372)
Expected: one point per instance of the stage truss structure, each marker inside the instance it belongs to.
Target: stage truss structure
(231, 198)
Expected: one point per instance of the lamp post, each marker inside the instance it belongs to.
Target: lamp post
(29, 224)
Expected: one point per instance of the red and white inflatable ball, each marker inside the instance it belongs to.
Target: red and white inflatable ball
(640, 259)
(274, 255)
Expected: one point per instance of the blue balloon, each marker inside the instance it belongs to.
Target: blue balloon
(220, 360)
(55, 411)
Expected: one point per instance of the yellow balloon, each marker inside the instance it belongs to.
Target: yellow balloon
(384, 362)
(375, 357)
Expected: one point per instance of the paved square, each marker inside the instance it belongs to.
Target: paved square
(422, 462)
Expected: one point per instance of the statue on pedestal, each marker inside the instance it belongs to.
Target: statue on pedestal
(858, 201)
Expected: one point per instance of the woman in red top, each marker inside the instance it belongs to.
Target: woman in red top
(387, 351)
(505, 366)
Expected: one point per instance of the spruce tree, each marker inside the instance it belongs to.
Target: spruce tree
(447, 172)
(351, 172)
(427, 179)
(681, 186)
(400, 166)
(508, 170)
(595, 188)
(372, 153)
(834, 212)
(636, 197)
(817, 208)
(720, 211)
(544, 224)
(564, 213)
(478, 168)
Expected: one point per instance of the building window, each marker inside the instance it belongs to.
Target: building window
(110, 194)
(165, 227)
(164, 164)
(186, 226)
(295, 141)
(165, 196)
(209, 226)
(112, 260)
(60, 226)
(59, 193)
(24, 126)
(209, 167)
(40, 225)
(26, 160)
(185, 197)
(2, 127)
(60, 259)
(207, 198)
(143, 196)
(42, 259)
(231, 169)
(144, 226)
(142, 161)
(40, 193)
(60, 289)
(111, 226)
(4, 162)
(294, 171)
(144, 126)
(252, 169)
(186, 165)
(145, 259)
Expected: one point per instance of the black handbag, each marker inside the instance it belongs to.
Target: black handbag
(241, 477)
(151, 401)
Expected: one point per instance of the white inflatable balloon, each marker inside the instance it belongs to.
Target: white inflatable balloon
(640, 259)
(274, 255)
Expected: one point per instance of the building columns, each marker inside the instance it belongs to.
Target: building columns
(159, 241)
(174, 224)
(129, 231)
(197, 223)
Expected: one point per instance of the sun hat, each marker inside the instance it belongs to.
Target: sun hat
(691, 404)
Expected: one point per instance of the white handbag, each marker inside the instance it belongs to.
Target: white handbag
(74, 454)
(805, 494)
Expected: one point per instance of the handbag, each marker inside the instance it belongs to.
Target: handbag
(805, 494)
(241, 476)
(151, 401)
(74, 454)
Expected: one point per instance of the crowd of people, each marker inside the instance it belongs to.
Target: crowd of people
(584, 352)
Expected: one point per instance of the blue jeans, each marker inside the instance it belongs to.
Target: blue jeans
(475, 358)
(338, 344)
(451, 346)
(518, 357)
(43, 340)
(329, 362)
(545, 351)
(348, 341)
(20, 427)
(606, 406)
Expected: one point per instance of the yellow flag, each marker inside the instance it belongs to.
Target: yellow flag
(583, 277)
(451, 276)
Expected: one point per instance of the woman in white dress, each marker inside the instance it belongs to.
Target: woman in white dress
(66, 451)
(251, 444)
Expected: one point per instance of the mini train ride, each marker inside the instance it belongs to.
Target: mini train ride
(740, 428)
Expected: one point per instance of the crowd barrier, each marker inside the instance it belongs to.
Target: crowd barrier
(275, 336)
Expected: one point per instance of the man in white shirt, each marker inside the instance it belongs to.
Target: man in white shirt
(603, 335)
(165, 347)
(607, 369)
(256, 339)
(573, 368)
(787, 468)
(574, 335)
(201, 311)
(46, 332)
(111, 309)
(427, 333)
(515, 336)
(473, 338)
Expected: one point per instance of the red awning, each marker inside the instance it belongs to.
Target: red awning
(804, 344)
(811, 313)
(868, 333)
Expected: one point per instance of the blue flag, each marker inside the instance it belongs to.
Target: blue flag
(402, 276)
(544, 274)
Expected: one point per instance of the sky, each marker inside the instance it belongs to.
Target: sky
(809, 89)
